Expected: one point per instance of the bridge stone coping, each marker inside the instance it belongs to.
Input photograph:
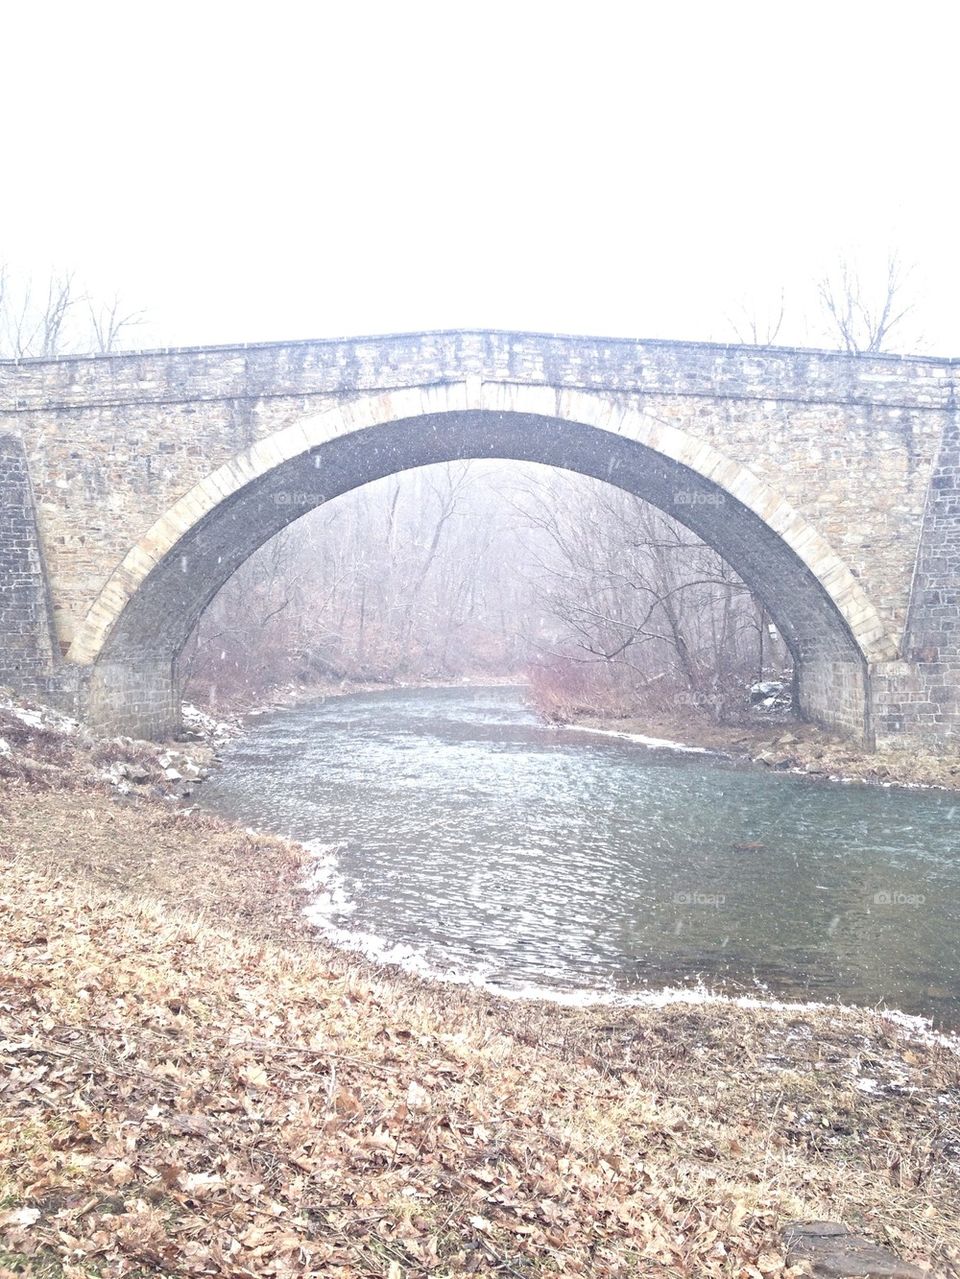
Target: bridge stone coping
(339, 366)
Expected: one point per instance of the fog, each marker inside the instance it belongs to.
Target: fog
(371, 168)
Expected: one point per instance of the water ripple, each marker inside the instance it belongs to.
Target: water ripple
(458, 834)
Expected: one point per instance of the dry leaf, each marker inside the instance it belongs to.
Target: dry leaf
(346, 1103)
(254, 1074)
(121, 1174)
(417, 1097)
(19, 1217)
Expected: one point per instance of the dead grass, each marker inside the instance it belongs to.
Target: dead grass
(191, 1084)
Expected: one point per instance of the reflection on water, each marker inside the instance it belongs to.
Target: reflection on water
(459, 830)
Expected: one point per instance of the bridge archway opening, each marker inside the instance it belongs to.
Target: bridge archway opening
(136, 629)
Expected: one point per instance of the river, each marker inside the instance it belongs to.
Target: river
(458, 834)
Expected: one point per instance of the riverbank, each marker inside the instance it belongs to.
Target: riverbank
(789, 745)
(191, 1082)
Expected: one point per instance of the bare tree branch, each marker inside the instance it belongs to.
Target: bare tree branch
(58, 318)
(753, 329)
(863, 322)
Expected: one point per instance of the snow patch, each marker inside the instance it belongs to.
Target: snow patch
(655, 743)
(43, 717)
(207, 725)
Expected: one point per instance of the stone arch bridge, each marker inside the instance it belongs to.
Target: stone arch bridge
(133, 485)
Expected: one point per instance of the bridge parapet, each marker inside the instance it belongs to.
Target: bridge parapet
(346, 367)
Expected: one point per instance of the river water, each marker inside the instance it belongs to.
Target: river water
(458, 834)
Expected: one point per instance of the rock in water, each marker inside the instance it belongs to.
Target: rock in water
(834, 1252)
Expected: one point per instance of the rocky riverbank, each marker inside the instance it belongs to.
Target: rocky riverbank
(41, 748)
(790, 745)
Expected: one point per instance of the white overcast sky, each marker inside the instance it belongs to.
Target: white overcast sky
(253, 172)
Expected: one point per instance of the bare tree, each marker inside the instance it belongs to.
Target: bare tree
(58, 317)
(32, 324)
(110, 323)
(658, 617)
(862, 319)
(755, 329)
(413, 576)
(480, 568)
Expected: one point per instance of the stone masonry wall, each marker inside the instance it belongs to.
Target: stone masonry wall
(140, 701)
(921, 695)
(26, 645)
(834, 695)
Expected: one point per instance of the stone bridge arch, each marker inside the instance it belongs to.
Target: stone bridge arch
(134, 631)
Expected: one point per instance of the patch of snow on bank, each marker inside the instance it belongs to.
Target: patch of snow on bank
(43, 717)
(207, 725)
(655, 743)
